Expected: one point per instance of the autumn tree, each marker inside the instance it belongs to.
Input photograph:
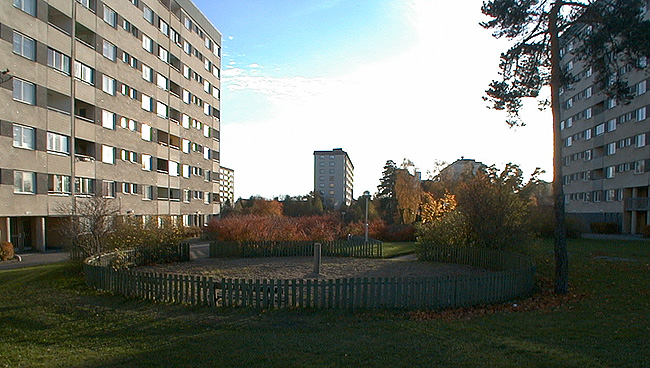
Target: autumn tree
(608, 34)
(408, 194)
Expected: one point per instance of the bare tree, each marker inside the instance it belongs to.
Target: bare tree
(91, 220)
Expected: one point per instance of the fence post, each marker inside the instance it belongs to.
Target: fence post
(317, 258)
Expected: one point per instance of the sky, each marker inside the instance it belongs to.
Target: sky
(381, 79)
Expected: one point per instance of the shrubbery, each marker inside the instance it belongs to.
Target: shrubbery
(6, 251)
(258, 228)
(604, 228)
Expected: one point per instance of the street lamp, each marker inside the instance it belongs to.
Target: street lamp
(367, 195)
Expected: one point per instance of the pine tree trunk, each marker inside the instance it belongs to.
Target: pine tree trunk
(560, 241)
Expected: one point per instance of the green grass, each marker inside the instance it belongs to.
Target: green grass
(48, 318)
(391, 250)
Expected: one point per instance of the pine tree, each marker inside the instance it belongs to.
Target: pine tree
(608, 34)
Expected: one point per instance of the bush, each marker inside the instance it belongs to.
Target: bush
(6, 251)
(543, 224)
(376, 229)
(400, 233)
(645, 230)
(604, 228)
(450, 229)
(258, 228)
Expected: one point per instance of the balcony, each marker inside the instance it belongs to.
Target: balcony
(637, 204)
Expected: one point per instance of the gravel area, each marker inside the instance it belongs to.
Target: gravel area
(302, 268)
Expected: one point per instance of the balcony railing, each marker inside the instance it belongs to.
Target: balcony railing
(637, 204)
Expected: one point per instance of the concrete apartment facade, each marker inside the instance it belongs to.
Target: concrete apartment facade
(606, 148)
(226, 186)
(106, 97)
(333, 177)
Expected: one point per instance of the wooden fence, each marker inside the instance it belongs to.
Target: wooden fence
(514, 278)
(339, 248)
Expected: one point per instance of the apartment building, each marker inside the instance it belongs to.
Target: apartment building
(606, 149)
(106, 97)
(333, 177)
(226, 186)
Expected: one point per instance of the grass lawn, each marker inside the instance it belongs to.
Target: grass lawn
(48, 318)
(391, 250)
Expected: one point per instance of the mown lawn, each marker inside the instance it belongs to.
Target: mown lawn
(395, 249)
(48, 318)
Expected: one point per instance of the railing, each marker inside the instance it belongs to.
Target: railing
(339, 248)
(514, 277)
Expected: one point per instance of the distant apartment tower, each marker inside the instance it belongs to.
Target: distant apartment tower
(333, 177)
(606, 146)
(226, 186)
(458, 168)
(107, 97)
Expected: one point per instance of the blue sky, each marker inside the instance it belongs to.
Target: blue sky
(382, 79)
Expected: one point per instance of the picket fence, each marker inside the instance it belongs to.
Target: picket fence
(514, 277)
(338, 248)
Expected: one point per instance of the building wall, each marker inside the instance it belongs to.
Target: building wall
(606, 148)
(110, 139)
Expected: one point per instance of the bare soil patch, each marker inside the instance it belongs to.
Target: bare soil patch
(302, 267)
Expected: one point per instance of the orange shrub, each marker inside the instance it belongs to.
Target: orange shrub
(261, 228)
(6, 251)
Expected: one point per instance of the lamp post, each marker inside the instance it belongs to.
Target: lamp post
(367, 195)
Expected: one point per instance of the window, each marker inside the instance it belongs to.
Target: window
(147, 13)
(24, 91)
(108, 84)
(610, 103)
(163, 26)
(600, 129)
(24, 182)
(640, 114)
(567, 143)
(639, 140)
(162, 82)
(587, 134)
(206, 131)
(173, 168)
(588, 92)
(24, 46)
(587, 155)
(147, 132)
(58, 143)
(147, 192)
(134, 63)
(639, 167)
(610, 171)
(641, 88)
(84, 72)
(58, 61)
(186, 96)
(185, 171)
(59, 184)
(588, 113)
(162, 110)
(110, 16)
(23, 137)
(187, 71)
(216, 72)
(187, 47)
(611, 148)
(147, 103)
(187, 22)
(207, 109)
(185, 145)
(84, 186)
(147, 73)
(207, 65)
(108, 154)
(185, 121)
(611, 125)
(28, 6)
(109, 190)
(206, 153)
(174, 36)
(147, 43)
(108, 119)
(147, 162)
(569, 122)
(163, 54)
(109, 50)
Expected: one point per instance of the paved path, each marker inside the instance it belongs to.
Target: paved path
(35, 259)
